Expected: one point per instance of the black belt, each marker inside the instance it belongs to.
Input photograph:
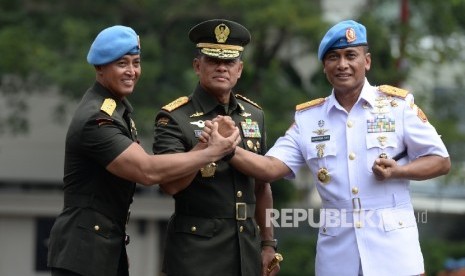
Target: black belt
(89, 201)
(237, 210)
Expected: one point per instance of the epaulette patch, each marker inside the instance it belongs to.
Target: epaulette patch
(419, 112)
(312, 103)
(248, 100)
(108, 106)
(176, 103)
(393, 91)
(104, 121)
(163, 121)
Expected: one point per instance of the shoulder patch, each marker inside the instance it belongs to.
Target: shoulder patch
(176, 103)
(393, 91)
(312, 103)
(108, 106)
(247, 100)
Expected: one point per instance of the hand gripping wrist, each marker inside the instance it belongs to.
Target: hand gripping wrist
(229, 156)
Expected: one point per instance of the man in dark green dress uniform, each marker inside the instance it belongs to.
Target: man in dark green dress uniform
(103, 161)
(218, 227)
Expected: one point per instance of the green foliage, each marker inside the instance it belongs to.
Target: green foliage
(299, 252)
(45, 43)
(436, 252)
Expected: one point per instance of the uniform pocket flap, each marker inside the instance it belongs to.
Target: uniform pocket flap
(95, 222)
(199, 226)
(398, 219)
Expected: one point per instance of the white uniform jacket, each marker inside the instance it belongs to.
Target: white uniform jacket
(364, 222)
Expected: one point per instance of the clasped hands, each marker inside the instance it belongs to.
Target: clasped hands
(225, 127)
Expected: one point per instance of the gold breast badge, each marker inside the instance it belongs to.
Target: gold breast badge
(323, 175)
(208, 170)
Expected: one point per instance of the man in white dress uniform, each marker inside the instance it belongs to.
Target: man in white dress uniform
(363, 144)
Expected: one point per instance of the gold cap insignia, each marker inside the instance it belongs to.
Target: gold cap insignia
(350, 35)
(108, 106)
(221, 33)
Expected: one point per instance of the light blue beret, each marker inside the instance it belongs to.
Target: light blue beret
(344, 34)
(112, 43)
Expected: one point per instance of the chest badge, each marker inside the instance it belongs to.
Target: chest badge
(199, 123)
(323, 175)
(250, 129)
(208, 170)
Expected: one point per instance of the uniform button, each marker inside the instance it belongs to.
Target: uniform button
(241, 228)
(358, 224)
(96, 227)
(324, 229)
(239, 194)
(350, 124)
(352, 156)
(355, 190)
(193, 229)
(400, 223)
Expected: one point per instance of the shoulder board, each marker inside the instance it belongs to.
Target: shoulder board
(312, 103)
(176, 103)
(248, 100)
(108, 106)
(393, 91)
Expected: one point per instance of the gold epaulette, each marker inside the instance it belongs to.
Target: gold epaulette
(108, 106)
(312, 103)
(393, 91)
(248, 100)
(176, 103)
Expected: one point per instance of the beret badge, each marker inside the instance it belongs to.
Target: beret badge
(221, 33)
(350, 35)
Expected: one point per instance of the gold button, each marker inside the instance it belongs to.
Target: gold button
(241, 228)
(193, 228)
(239, 194)
(358, 224)
(401, 223)
(350, 124)
(96, 227)
(354, 190)
(352, 156)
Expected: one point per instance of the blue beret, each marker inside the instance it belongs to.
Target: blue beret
(344, 34)
(112, 43)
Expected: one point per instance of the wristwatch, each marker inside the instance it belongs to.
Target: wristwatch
(273, 243)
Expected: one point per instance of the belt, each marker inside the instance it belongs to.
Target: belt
(369, 203)
(237, 211)
(90, 201)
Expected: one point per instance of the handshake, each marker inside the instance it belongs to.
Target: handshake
(221, 136)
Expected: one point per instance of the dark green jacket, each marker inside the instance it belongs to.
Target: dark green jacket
(88, 236)
(204, 237)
